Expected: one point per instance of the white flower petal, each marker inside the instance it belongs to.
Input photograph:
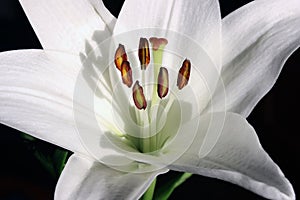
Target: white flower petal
(239, 158)
(66, 25)
(198, 19)
(104, 13)
(97, 114)
(84, 178)
(257, 40)
(36, 91)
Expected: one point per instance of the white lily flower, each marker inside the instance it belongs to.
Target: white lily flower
(43, 92)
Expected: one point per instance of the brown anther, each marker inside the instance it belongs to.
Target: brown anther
(126, 73)
(184, 74)
(120, 56)
(157, 42)
(163, 82)
(144, 53)
(138, 96)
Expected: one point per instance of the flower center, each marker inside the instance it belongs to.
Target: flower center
(141, 102)
(153, 103)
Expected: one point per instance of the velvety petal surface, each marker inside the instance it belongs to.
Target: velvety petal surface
(66, 25)
(36, 92)
(257, 40)
(238, 157)
(199, 20)
(84, 178)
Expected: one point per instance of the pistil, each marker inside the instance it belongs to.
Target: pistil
(158, 45)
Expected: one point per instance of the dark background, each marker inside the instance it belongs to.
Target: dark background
(275, 119)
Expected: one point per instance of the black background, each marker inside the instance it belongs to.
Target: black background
(275, 119)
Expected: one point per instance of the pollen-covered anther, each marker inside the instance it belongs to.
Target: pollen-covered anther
(184, 74)
(163, 82)
(157, 42)
(120, 56)
(138, 96)
(144, 53)
(126, 73)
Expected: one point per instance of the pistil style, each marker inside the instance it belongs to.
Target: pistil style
(158, 45)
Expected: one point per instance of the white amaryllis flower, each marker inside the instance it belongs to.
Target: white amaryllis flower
(42, 92)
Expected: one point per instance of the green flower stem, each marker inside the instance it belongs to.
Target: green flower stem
(164, 192)
(148, 195)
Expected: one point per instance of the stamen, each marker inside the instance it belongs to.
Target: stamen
(157, 42)
(144, 53)
(126, 73)
(120, 56)
(163, 82)
(138, 96)
(184, 74)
